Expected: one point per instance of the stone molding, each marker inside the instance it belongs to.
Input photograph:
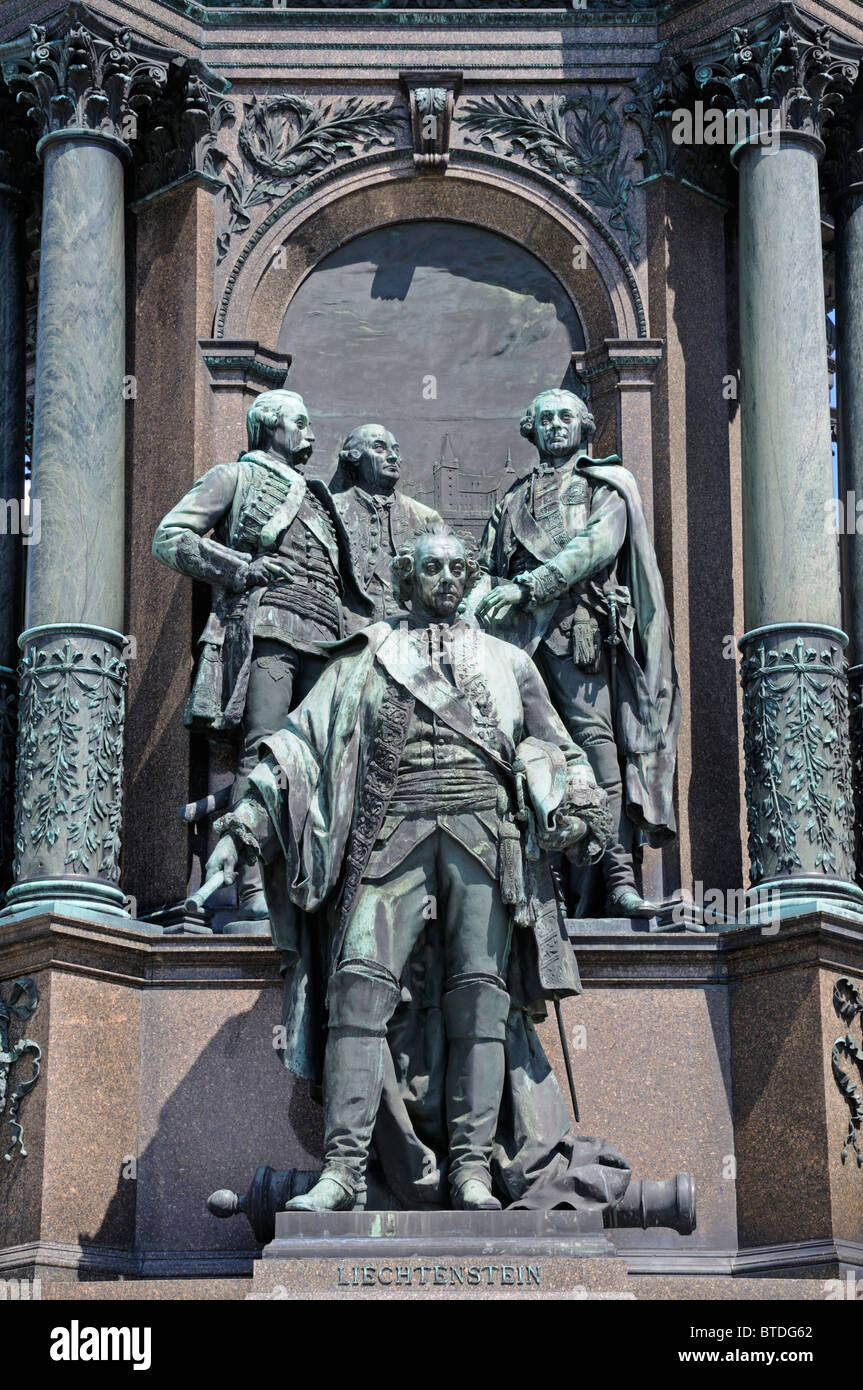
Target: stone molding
(234, 365)
(123, 955)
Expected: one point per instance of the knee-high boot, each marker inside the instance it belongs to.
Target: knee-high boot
(475, 1011)
(360, 1007)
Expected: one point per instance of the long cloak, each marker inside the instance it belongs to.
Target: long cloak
(314, 782)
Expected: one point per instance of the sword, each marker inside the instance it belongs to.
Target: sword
(566, 1060)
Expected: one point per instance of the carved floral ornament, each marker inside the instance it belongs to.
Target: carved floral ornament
(70, 756)
(286, 139)
(20, 1004)
(576, 139)
(800, 809)
(848, 1003)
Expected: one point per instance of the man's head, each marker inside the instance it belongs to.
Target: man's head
(370, 457)
(432, 572)
(279, 422)
(558, 423)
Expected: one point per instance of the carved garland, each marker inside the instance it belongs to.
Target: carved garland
(798, 772)
(70, 756)
(286, 139)
(848, 1003)
(21, 1004)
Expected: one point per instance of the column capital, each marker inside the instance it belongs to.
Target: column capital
(656, 99)
(783, 62)
(84, 78)
(178, 131)
(17, 146)
(843, 135)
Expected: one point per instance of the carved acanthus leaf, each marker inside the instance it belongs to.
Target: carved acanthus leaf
(792, 66)
(83, 80)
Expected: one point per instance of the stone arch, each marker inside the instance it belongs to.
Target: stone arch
(511, 201)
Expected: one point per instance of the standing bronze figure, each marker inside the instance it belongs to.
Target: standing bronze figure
(378, 517)
(577, 585)
(272, 546)
(411, 803)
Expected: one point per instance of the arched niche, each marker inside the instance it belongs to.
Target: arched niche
(443, 332)
(562, 234)
(556, 228)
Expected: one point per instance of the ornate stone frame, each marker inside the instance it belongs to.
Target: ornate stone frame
(478, 188)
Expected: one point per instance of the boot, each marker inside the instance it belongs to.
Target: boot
(475, 1010)
(360, 1007)
(626, 902)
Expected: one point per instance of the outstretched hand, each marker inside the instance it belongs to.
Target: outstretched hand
(497, 604)
(223, 860)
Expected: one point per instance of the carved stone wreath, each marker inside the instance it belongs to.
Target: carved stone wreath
(574, 138)
(286, 139)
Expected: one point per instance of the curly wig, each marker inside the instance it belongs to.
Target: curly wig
(528, 419)
(402, 563)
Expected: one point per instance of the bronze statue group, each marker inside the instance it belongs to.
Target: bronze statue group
(426, 741)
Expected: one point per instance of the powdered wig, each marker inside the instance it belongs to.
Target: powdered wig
(266, 411)
(528, 419)
(402, 564)
(350, 454)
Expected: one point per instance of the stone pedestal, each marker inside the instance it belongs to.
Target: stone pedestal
(445, 1254)
(799, 1201)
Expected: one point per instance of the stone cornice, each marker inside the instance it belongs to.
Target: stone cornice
(638, 958)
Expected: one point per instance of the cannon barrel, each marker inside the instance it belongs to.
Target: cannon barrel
(670, 1202)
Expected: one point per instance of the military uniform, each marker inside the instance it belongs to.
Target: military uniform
(536, 521)
(259, 650)
(405, 752)
(377, 525)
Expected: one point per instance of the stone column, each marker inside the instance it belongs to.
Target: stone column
(81, 89)
(843, 178)
(13, 154)
(794, 674)
(175, 163)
